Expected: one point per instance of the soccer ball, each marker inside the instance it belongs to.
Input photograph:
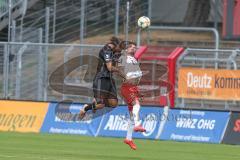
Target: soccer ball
(143, 22)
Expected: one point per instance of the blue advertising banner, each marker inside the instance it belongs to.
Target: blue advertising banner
(64, 118)
(115, 123)
(195, 126)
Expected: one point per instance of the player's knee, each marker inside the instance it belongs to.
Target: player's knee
(112, 103)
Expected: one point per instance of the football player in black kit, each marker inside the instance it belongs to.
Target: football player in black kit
(104, 88)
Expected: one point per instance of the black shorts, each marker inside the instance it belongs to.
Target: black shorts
(104, 88)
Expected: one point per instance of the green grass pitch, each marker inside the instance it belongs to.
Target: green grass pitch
(31, 146)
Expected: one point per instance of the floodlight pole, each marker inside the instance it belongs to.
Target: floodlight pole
(54, 21)
(9, 19)
(127, 20)
(117, 17)
(7, 51)
(139, 37)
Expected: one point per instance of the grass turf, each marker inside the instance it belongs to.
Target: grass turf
(72, 147)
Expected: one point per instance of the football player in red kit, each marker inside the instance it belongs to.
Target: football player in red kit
(129, 89)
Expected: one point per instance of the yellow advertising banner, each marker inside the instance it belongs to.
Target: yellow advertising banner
(212, 84)
(22, 116)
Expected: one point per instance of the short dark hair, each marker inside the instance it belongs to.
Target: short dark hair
(125, 44)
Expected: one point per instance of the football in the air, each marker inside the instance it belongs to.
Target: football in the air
(143, 22)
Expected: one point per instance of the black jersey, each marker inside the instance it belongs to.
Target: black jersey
(105, 55)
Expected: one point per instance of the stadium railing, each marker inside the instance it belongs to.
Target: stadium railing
(4, 6)
(28, 66)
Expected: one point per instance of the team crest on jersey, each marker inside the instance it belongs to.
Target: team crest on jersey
(107, 57)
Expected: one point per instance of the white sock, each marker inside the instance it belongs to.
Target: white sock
(136, 109)
(130, 128)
